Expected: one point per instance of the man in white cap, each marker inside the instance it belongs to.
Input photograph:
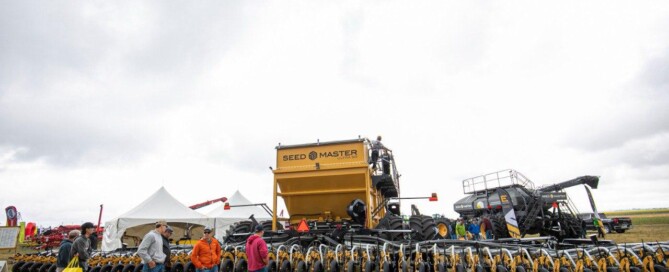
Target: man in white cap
(151, 249)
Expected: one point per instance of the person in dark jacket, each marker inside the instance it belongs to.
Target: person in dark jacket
(487, 225)
(81, 247)
(256, 251)
(64, 251)
(166, 247)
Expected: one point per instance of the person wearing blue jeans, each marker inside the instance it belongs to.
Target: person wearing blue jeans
(151, 249)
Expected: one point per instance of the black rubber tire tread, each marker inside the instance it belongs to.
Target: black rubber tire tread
(239, 227)
(423, 267)
(439, 222)
(318, 266)
(501, 268)
(542, 269)
(564, 269)
(26, 267)
(461, 268)
(423, 226)
(350, 266)
(658, 268)
(301, 266)
(131, 267)
(587, 270)
(612, 269)
(267, 225)
(227, 265)
(35, 267)
(53, 268)
(387, 266)
(177, 267)
(286, 266)
(370, 266)
(17, 266)
(334, 266)
(118, 268)
(520, 269)
(241, 266)
(189, 267)
(45, 267)
(499, 229)
(106, 268)
(138, 268)
(271, 266)
(441, 267)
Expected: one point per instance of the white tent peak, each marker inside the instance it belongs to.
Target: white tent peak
(163, 205)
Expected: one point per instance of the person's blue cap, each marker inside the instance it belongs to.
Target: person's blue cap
(259, 228)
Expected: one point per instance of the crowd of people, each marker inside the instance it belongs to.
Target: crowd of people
(472, 229)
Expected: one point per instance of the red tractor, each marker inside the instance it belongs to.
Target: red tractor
(52, 237)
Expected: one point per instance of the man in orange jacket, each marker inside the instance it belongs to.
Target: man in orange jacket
(206, 254)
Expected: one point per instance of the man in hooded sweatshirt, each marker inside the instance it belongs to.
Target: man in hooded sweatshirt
(206, 254)
(64, 250)
(81, 247)
(256, 251)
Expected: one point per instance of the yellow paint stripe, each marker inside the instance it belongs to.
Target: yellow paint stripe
(513, 231)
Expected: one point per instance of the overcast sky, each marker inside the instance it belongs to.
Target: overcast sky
(104, 102)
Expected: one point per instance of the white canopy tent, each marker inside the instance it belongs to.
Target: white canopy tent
(134, 224)
(226, 218)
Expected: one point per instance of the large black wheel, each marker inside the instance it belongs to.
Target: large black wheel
(118, 268)
(131, 267)
(227, 265)
(301, 266)
(26, 267)
(285, 266)
(370, 266)
(138, 268)
(388, 266)
(271, 266)
(423, 267)
(239, 227)
(391, 222)
(350, 266)
(318, 266)
(53, 268)
(177, 267)
(35, 267)
(17, 266)
(441, 267)
(189, 267)
(267, 225)
(106, 268)
(442, 225)
(423, 227)
(334, 266)
(45, 267)
(241, 266)
(501, 268)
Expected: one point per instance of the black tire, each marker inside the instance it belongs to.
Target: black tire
(106, 268)
(441, 267)
(520, 269)
(318, 266)
(271, 266)
(370, 266)
(138, 268)
(189, 267)
(334, 266)
(17, 266)
(301, 266)
(423, 227)
(442, 225)
(564, 269)
(406, 267)
(177, 267)
(239, 227)
(267, 225)
(45, 267)
(461, 268)
(241, 266)
(286, 266)
(118, 268)
(620, 231)
(658, 268)
(423, 267)
(587, 270)
(350, 266)
(501, 268)
(35, 267)
(227, 266)
(131, 267)
(26, 267)
(543, 269)
(388, 266)
(53, 268)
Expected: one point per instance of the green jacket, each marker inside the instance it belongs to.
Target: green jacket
(460, 230)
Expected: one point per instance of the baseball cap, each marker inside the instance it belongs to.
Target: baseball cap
(161, 223)
(258, 228)
(169, 229)
(207, 229)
